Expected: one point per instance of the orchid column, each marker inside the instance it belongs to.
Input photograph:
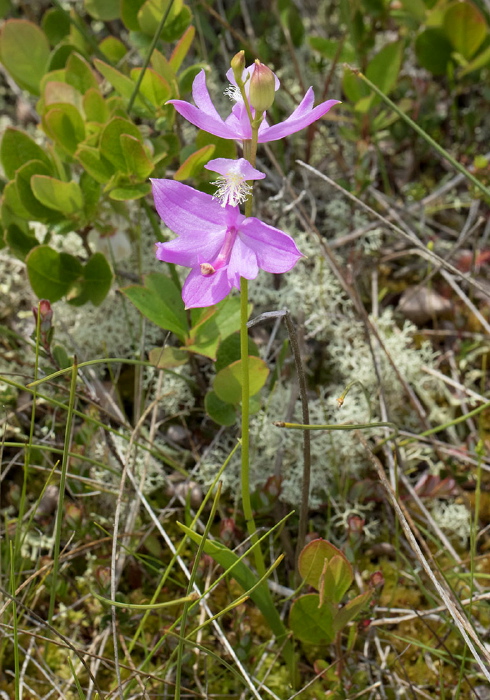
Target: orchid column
(223, 247)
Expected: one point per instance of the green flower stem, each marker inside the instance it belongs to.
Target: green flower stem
(447, 156)
(250, 151)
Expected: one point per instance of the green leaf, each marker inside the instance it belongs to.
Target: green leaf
(312, 560)
(56, 25)
(129, 13)
(351, 610)
(91, 195)
(137, 162)
(97, 281)
(113, 49)
(384, 68)
(310, 622)
(121, 194)
(353, 87)
(59, 93)
(242, 573)
(122, 84)
(23, 177)
(465, 27)
(105, 10)
(152, 11)
(481, 60)
(433, 50)
(79, 74)
(12, 207)
(181, 50)
(24, 51)
(155, 88)
(65, 197)
(65, 126)
(221, 412)
(20, 242)
(51, 274)
(176, 26)
(110, 141)
(163, 68)
(95, 164)
(168, 357)
(228, 381)
(95, 107)
(229, 351)
(17, 148)
(336, 579)
(194, 163)
(161, 302)
(330, 47)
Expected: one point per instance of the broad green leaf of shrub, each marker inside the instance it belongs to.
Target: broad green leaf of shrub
(228, 381)
(193, 165)
(176, 26)
(50, 273)
(121, 194)
(17, 148)
(384, 68)
(212, 325)
(481, 60)
(12, 207)
(180, 51)
(465, 27)
(95, 107)
(56, 25)
(221, 412)
(36, 209)
(161, 302)
(122, 84)
(351, 610)
(19, 241)
(79, 74)
(155, 88)
(312, 560)
(163, 68)
(64, 124)
(152, 11)
(129, 13)
(433, 50)
(336, 579)
(24, 51)
(353, 87)
(311, 622)
(330, 49)
(91, 196)
(110, 141)
(60, 93)
(113, 49)
(229, 351)
(168, 357)
(96, 282)
(95, 164)
(65, 197)
(105, 10)
(138, 164)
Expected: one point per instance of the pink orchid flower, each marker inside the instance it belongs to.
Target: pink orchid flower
(237, 125)
(215, 240)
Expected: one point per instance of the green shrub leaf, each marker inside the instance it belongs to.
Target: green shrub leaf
(228, 381)
(24, 51)
(51, 274)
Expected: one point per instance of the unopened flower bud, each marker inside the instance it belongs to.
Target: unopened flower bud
(238, 65)
(262, 87)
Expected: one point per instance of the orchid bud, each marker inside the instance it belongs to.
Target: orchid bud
(262, 87)
(238, 65)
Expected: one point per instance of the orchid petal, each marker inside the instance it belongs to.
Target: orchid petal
(203, 121)
(276, 251)
(190, 251)
(240, 166)
(187, 211)
(201, 290)
(243, 263)
(201, 96)
(295, 123)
